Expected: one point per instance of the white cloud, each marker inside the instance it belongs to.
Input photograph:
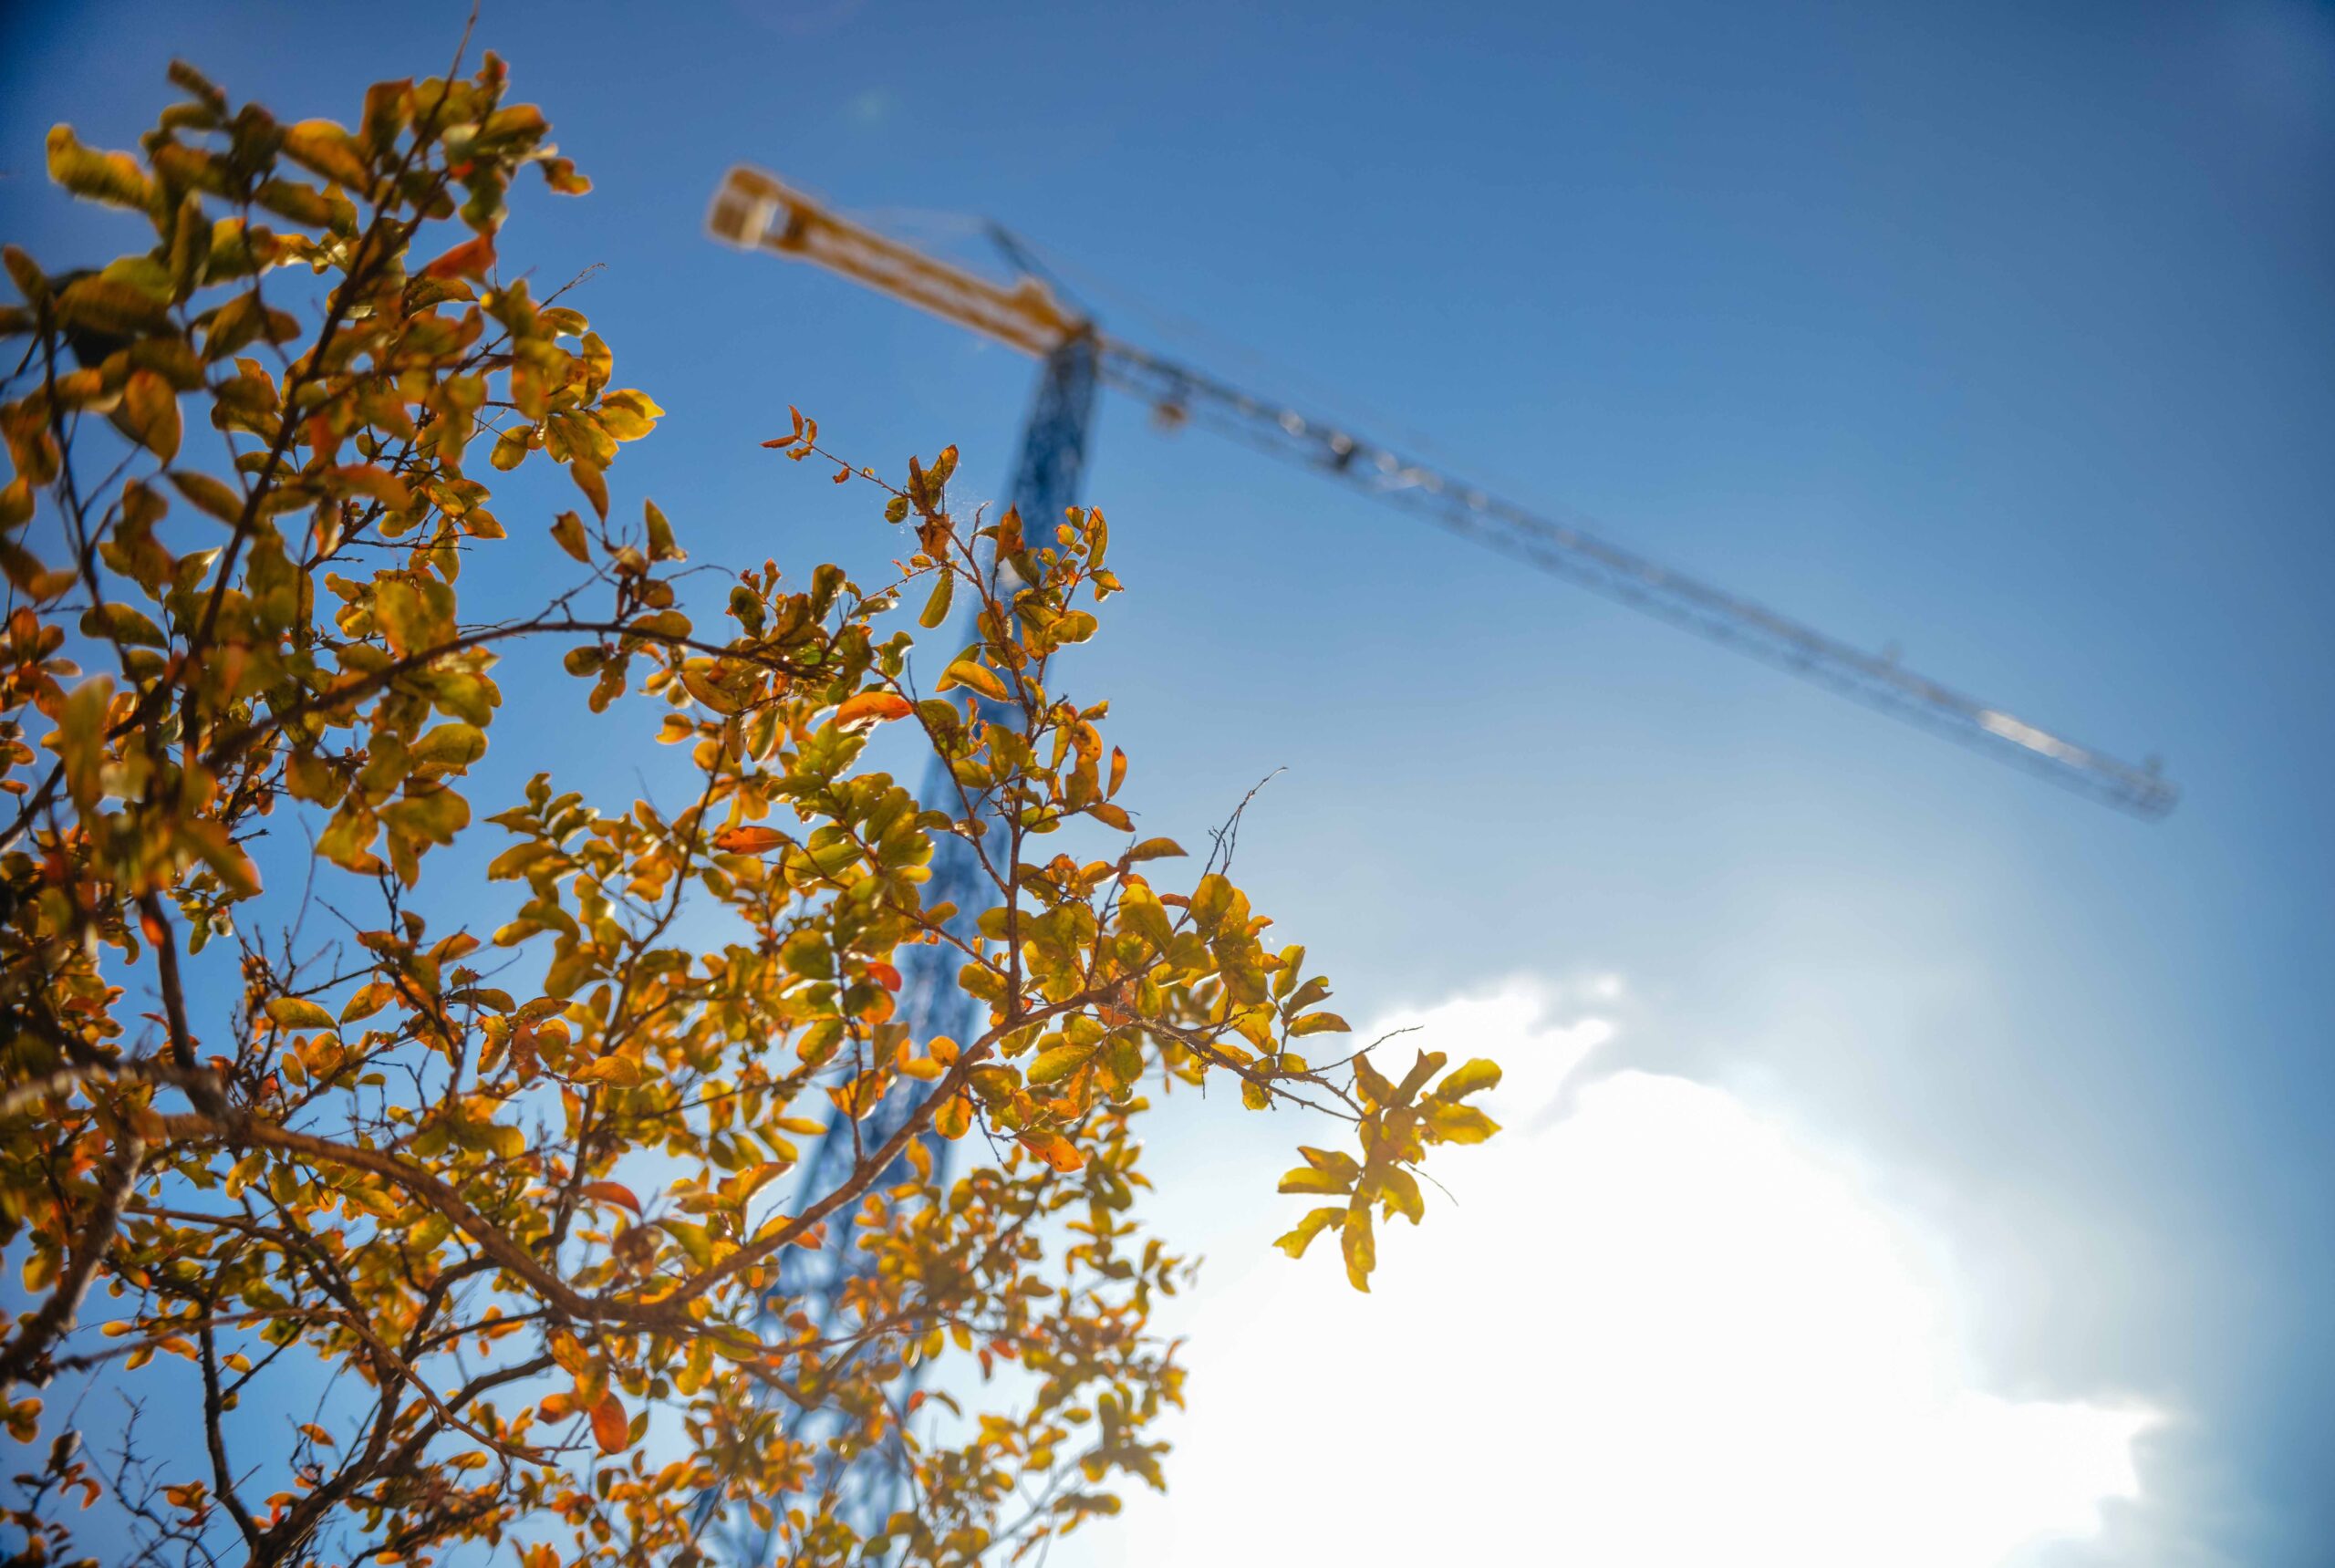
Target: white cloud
(1655, 1330)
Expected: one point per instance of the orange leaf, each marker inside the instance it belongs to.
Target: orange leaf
(611, 1193)
(1055, 1149)
(611, 1426)
(747, 840)
(470, 259)
(884, 974)
(873, 708)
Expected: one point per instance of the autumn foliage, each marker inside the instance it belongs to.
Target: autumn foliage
(402, 1231)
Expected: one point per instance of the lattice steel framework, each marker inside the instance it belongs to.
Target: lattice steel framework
(756, 211)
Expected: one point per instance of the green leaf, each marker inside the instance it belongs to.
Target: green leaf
(1052, 1066)
(1121, 1061)
(695, 1240)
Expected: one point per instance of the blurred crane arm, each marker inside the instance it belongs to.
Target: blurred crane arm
(757, 210)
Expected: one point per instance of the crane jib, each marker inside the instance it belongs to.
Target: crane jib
(757, 210)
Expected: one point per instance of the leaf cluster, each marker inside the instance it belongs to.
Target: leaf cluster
(515, 1194)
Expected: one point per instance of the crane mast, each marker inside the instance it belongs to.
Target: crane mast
(755, 209)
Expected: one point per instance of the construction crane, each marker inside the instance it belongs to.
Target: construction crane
(756, 211)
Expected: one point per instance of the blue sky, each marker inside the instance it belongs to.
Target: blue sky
(1999, 331)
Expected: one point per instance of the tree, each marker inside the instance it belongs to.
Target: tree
(512, 1246)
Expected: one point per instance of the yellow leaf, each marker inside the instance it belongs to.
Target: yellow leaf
(213, 497)
(123, 624)
(1052, 1066)
(325, 148)
(979, 678)
(568, 532)
(153, 411)
(1315, 1220)
(1460, 1124)
(1361, 1248)
(936, 608)
(113, 178)
(376, 483)
(627, 415)
(297, 1012)
(369, 998)
(110, 306)
(588, 480)
(1468, 1078)
(661, 546)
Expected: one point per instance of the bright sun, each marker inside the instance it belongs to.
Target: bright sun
(1654, 1331)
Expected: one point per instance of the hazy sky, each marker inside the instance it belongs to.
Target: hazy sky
(2005, 332)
